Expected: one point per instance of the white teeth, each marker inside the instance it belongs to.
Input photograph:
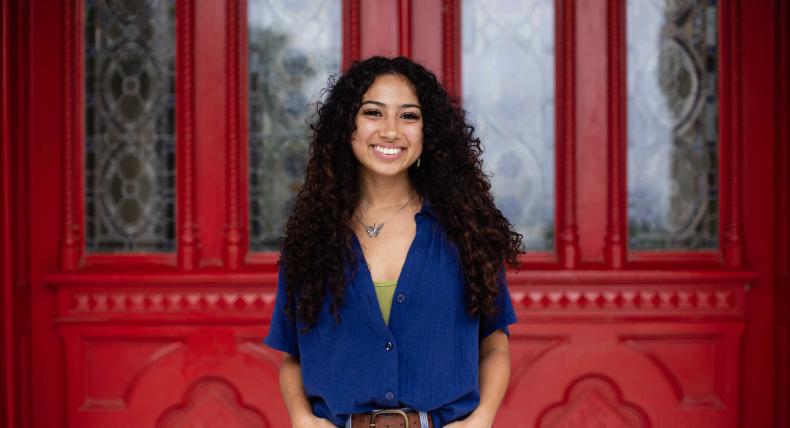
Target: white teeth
(388, 151)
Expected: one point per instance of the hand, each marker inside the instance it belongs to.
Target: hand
(474, 420)
(312, 421)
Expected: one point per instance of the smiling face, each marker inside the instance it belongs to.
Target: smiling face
(388, 138)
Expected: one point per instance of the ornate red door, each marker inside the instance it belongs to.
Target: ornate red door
(632, 143)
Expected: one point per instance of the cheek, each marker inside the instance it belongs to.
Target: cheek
(415, 135)
(362, 133)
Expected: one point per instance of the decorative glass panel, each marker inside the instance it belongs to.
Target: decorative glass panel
(508, 88)
(129, 125)
(673, 147)
(293, 47)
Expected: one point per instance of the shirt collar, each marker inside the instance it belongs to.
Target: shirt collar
(427, 210)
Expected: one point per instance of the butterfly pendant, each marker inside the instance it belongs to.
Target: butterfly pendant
(373, 231)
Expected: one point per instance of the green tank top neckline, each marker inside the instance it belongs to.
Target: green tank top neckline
(384, 292)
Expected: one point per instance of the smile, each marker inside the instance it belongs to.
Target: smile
(388, 150)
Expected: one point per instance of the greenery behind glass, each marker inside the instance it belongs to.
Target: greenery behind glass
(293, 47)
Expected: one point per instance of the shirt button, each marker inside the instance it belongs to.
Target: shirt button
(401, 298)
(388, 346)
(389, 396)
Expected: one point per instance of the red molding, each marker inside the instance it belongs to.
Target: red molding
(782, 228)
(616, 233)
(244, 132)
(638, 300)
(234, 242)
(516, 279)
(730, 133)
(8, 396)
(405, 24)
(351, 47)
(255, 301)
(201, 305)
(15, 231)
(676, 260)
(567, 242)
(451, 41)
(72, 228)
(242, 169)
(187, 234)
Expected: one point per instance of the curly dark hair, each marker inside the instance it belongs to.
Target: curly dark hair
(317, 248)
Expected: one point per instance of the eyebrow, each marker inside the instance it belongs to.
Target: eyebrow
(381, 104)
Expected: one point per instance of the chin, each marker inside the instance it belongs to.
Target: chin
(387, 172)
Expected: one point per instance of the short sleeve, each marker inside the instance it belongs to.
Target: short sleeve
(506, 315)
(282, 330)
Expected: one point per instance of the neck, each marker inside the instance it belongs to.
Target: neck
(378, 191)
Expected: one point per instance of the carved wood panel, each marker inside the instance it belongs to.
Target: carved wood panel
(629, 374)
(171, 376)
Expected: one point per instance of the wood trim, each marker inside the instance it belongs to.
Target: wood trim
(256, 302)
(516, 279)
(616, 232)
(8, 391)
(451, 52)
(246, 257)
(234, 233)
(730, 133)
(567, 241)
(351, 25)
(647, 259)
(72, 228)
(405, 25)
(15, 232)
(187, 233)
(754, 86)
(782, 228)
(591, 67)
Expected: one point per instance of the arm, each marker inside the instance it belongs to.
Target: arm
(494, 378)
(292, 390)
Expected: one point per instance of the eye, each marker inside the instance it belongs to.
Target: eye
(410, 116)
(371, 112)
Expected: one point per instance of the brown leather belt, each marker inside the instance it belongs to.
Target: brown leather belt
(388, 418)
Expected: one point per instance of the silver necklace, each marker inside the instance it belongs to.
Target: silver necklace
(374, 229)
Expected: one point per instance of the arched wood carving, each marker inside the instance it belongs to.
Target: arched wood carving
(212, 402)
(593, 401)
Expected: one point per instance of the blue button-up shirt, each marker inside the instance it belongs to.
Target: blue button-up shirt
(426, 358)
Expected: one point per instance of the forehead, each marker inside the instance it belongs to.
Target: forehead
(392, 87)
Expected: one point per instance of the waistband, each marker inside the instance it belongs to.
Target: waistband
(390, 418)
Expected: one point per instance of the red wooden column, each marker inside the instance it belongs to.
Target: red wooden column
(14, 218)
(565, 135)
(187, 223)
(592, 159)
(755, 27)
(782, 229)
(7, 360)
(235, 240)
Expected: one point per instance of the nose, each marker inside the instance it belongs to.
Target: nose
(389, 129)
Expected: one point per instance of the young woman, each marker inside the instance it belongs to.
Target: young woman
(392, 301)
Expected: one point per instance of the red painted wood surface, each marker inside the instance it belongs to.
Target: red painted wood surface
(782, 228)
(605, 336)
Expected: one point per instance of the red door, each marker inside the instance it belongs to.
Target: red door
(159, 142)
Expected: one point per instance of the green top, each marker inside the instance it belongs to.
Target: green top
(384, 292)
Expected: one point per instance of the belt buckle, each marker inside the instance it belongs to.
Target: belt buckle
(375, 413)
